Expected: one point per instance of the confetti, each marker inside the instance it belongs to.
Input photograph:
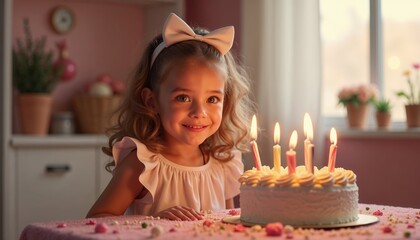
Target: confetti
(378, 213)
(387, 229)
(274, 229)
(101, 228)
(90, 222)
(156, 231)
(239, 228)
(234, 212)
(207, 223)
(61, 225)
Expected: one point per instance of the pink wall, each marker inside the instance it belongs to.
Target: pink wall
(107, 38)
(387, 169)
(215, 14)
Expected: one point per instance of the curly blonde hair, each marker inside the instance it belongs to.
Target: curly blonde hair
(137, 120)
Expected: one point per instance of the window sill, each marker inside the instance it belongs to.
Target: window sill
(412, 133)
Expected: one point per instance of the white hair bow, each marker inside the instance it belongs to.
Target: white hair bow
(176, 30)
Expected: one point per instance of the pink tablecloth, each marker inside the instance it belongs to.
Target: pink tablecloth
(394, 223)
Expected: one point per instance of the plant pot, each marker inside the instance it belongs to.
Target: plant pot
(94, 114)
(357, 115)
(413, 115)
(35, 113)
(383, 120)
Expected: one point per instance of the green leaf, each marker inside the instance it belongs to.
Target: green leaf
(33, 67)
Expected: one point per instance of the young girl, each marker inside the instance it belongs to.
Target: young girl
(181, 128)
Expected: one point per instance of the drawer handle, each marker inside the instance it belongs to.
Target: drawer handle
(58, 168)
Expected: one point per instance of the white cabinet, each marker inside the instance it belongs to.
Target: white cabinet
(54, 183)
(57, 177)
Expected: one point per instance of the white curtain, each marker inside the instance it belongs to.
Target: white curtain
(281, 49)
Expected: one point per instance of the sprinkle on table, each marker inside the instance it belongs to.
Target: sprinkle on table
(377, 213)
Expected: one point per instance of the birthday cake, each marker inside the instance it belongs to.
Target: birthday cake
(300, 199)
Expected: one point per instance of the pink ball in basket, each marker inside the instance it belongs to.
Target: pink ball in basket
(118, 86)
(104, 78)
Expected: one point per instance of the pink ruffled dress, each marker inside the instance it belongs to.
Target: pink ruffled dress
(170, 184)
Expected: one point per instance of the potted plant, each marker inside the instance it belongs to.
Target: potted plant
(34, 78)
(412, 107)
(383, 113)
(356, 100)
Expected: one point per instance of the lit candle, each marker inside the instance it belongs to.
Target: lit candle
(253, 143)
(333, 150)
(308, 148)
(291, 154)
(277, 148)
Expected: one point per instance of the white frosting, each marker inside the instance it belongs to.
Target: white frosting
(301, 199)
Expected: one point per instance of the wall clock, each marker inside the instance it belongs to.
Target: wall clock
(62, 19)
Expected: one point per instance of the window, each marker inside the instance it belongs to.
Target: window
(346, 52)
(401, 41)
(345, 48)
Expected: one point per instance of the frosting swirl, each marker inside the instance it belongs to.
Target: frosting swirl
(350, 176)
(284, 180)
(306, 179)
(340, 178)
(268, 180)
(322, 178)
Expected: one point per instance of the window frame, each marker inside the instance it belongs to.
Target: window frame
(376, 70)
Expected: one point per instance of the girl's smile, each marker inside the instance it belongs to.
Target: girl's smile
(195, 127)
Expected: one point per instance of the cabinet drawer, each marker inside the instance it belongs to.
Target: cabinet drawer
(54, 183)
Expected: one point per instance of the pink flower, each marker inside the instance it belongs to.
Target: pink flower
(412, 95)
(359, 94)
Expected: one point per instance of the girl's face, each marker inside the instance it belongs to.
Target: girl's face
(190, 102)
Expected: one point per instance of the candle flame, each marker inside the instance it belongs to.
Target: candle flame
(277, 133)
(333, 136)
(307, 127)
(293, 140)
(254, 127)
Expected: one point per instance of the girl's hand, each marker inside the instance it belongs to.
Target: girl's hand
(180, 213)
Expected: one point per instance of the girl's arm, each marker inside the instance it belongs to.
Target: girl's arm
(123, 188)
(229, 203)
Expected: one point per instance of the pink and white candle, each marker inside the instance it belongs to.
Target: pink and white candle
(308, 148)
(277, 148)
(333, 150)
(291, 154)
(254, 146)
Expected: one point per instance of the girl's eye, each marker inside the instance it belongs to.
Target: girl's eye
(213, 99)
(182, 98)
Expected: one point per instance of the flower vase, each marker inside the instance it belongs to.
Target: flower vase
(35, 113)
(357, 115)
(64, 63)
(383, 120)
(413, 115)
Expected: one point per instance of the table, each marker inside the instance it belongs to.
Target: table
(394, 223)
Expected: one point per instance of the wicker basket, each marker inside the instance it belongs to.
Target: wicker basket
(94, 114)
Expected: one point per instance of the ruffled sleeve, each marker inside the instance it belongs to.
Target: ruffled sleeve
(148, 178)
(233, 169)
